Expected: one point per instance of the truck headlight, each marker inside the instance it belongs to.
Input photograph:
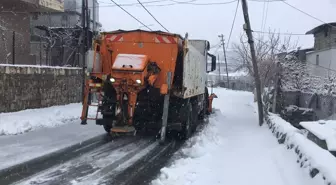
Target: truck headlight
(112, 80)
(138, 81)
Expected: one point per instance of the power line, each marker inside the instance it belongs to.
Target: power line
(190, 3)
(266, 16)
(131, 15)
(152, 3)
(233, 22)
(263, 16)
(280, 33)
(308, 14)
(152, 15)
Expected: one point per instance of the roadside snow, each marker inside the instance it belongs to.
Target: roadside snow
(324, 130)
(311, 156)
(15, 149)
(234, 150)
(32, 119)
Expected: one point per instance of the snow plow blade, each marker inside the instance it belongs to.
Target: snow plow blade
(123, 129)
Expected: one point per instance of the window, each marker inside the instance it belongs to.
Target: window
(317, 59)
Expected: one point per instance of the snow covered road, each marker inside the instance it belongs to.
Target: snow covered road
(37, 132)
(234, 150)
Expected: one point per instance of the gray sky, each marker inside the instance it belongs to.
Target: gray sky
(207, 22)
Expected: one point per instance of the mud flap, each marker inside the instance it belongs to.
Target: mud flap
(165, 111)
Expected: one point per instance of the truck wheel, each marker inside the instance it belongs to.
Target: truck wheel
(187, 124)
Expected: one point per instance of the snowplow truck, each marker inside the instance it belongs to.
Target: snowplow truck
(148, 80)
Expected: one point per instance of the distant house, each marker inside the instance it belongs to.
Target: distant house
(55, 35)
(324, 55)
(14, 27)
(299, 54)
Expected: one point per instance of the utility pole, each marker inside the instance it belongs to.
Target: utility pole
(227, 72)
(247, 28)
(94, 11)
(83, 44)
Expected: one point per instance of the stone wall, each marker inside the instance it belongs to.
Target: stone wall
(26, 87)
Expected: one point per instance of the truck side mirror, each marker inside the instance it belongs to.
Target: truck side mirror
(213, 63)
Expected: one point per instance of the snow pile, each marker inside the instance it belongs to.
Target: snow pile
(315, 160)
(199, 147)
(32, 119)
(324, 130)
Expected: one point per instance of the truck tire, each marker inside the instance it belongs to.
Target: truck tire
(187, 124)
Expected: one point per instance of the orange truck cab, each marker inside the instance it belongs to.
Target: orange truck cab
(148, 80)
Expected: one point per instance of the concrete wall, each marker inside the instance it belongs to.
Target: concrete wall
(32, 87)
(18, 24)
(325, 39)
(327, 60)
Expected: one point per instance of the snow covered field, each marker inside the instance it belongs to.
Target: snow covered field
(234, 150)
(32, 119)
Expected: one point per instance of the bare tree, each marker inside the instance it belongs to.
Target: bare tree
(269, 51)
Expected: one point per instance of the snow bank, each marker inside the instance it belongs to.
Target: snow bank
(317, 161)
(32, 119)
(324, 130)
(199, 146)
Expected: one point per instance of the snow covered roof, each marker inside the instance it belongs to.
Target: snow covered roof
(321, 27)
(324, 130)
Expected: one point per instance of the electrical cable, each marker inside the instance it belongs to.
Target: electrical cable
(266, 16)
(152, 15)
(308, 14)
(280, 33)
(233, 22)
(131, 15)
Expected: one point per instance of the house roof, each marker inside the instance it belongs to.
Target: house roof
(321, 27)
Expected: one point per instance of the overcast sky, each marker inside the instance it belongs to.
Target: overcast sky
(207, 22)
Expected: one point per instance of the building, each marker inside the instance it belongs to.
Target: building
(15, 26)
(323, 57)
(56, 35)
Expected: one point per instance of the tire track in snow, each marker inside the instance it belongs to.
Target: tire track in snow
(86, 164)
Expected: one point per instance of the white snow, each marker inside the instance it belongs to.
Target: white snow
(15, 149)
(234, 150)
(38, 66)
(137, 61)
(324, 130)
(32, 119)
(312, 155)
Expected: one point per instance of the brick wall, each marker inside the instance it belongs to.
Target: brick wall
(25, 87)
